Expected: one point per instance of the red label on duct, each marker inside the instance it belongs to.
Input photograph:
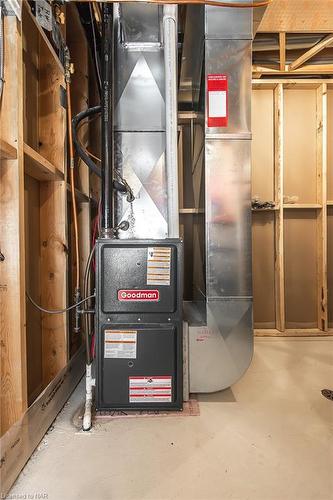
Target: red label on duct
(217, 96)
(138, 295)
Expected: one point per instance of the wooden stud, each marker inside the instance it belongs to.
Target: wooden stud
(279, 234)
(322, 199)
(13, 390)
(311, 52)
(282, 47)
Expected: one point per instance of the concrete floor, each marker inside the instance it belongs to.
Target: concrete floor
(270, 437)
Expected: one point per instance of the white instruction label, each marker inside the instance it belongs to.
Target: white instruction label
(120, 344)
(217, 103)
(150, 389)
(159, 266)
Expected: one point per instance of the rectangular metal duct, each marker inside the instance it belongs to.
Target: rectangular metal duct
(221, 351)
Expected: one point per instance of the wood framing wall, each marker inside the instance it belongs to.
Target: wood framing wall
(36, 216)
(292, 166)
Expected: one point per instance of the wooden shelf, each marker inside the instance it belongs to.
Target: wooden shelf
(38, 167)
(187, 115)
(302, 205)
(42, 35)
(191, 211)
(7, 151)
(330, 203)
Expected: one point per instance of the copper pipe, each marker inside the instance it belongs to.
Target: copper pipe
(72, 183)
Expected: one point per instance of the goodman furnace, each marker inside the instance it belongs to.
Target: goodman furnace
(139, 324)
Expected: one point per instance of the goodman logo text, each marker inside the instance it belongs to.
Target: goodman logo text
(138, 295)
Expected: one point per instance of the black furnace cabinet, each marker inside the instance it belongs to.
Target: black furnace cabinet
(139, 324)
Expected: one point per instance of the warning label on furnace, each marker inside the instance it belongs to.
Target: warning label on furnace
(120, 344)
(150, 389)
(159, 266)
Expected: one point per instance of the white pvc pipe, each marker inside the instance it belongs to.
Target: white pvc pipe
(86, 424)
(171, 149)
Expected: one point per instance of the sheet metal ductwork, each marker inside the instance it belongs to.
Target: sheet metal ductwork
(216, 41)
(221, 348)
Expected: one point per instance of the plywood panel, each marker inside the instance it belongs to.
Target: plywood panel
(263, 144)
(298, 16)
(330, 144)
(300, 248)
(330, 266)
(263, 269)
(32, 260)
(300, 146)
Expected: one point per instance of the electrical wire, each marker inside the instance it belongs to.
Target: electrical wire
(58, 311)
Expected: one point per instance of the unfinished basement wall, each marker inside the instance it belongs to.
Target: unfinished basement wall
(36, 213)
(292, 241)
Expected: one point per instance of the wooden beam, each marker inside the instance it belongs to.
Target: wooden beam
(298, 16)
(278, 188)
(282, 47)
(13, 389)
(18, 444)
(309, 69)
(300, 83)
(311, 52)
(292, 332)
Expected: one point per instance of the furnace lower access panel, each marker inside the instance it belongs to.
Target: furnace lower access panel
(139, 324)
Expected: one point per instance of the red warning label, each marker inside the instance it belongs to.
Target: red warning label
(217, 90)
(150, 389)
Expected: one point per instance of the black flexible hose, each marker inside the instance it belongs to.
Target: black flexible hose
(118, 186)
(83, 155)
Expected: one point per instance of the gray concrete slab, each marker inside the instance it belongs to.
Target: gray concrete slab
(270, 437)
